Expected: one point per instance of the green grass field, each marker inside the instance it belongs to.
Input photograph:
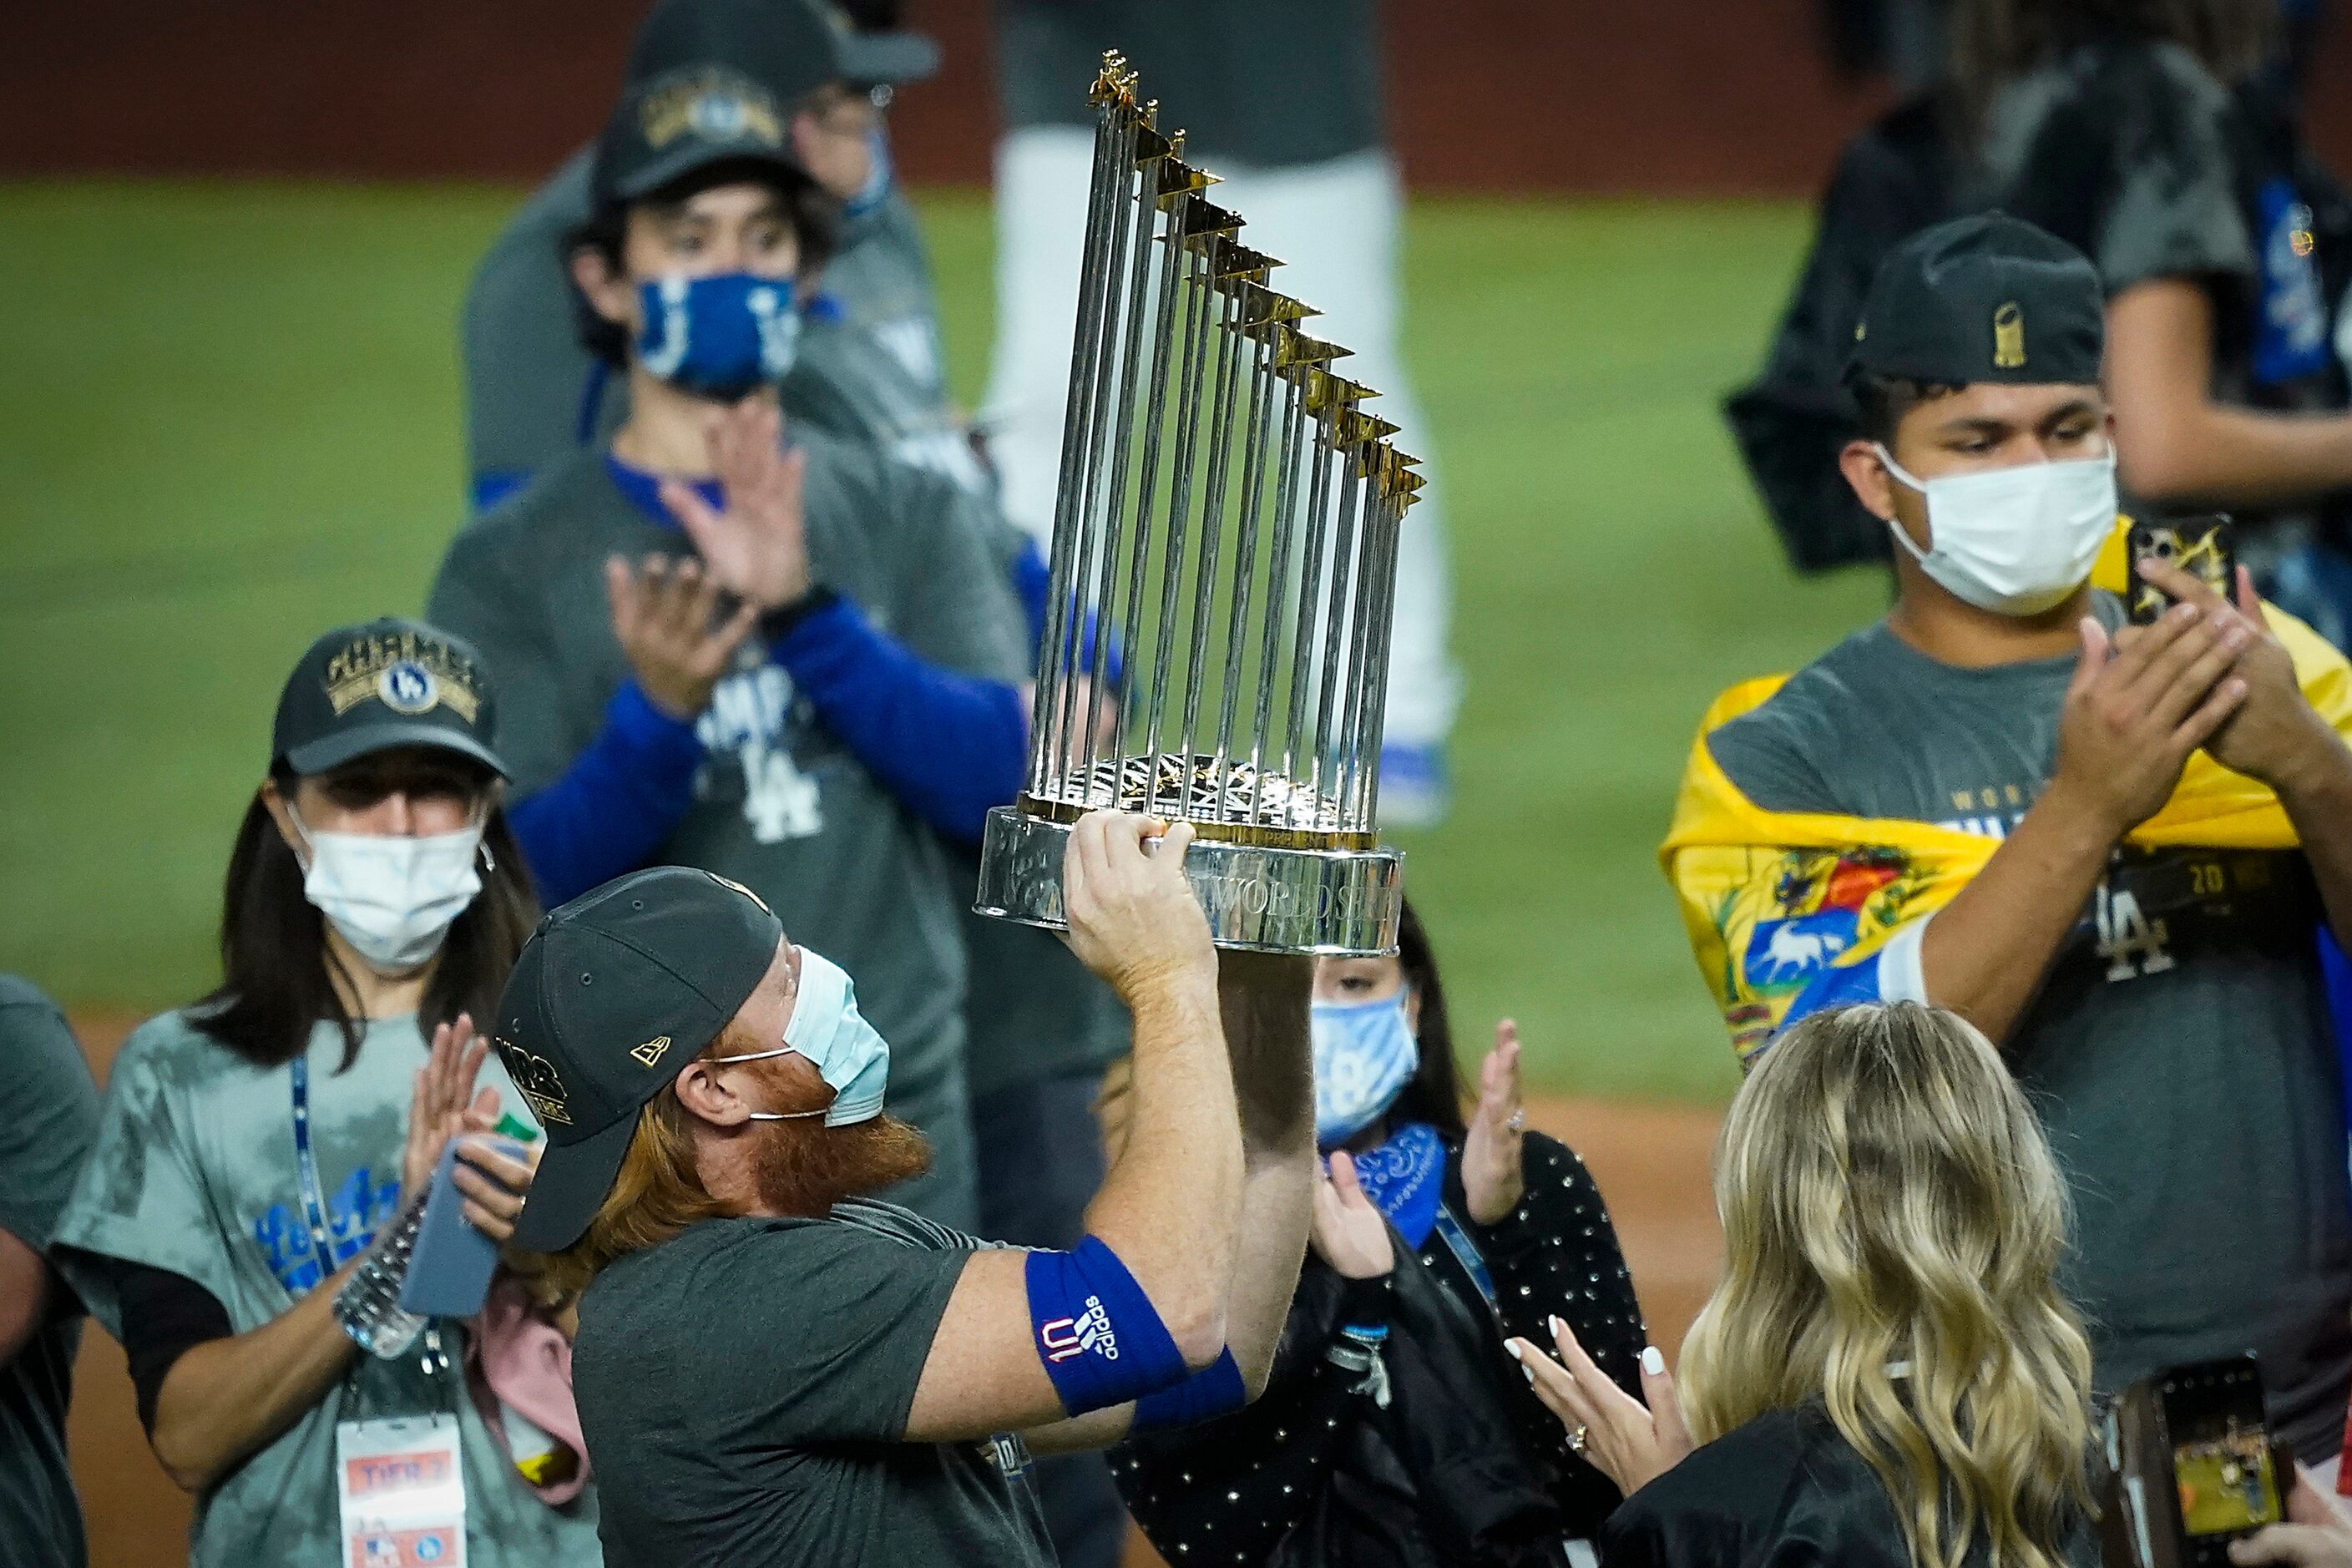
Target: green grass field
(229, 418)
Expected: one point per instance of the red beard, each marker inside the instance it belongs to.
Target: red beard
(805, 1167)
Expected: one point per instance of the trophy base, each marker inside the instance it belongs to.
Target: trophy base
(1331, 903)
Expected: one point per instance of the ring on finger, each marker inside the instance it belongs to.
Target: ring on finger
(1576, 1440)
(1517, 1121)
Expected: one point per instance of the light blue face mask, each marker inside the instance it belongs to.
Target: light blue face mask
(878, 177)
(828, 1028)
(1364, 1055)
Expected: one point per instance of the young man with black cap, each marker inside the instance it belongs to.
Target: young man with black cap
(869, 363)
(864, 700)
(772, 1367)
(253, 1145)
(1996, 800)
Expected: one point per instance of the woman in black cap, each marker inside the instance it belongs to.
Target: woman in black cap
(1394, 1433)
(254, 1143)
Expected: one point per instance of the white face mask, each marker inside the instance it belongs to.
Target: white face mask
(2014, 541)
(392, 896)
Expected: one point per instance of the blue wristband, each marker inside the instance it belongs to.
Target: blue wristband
(1214, 1390)
(1097, 1334)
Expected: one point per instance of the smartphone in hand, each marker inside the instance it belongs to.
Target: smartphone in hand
(449, 1270)
(2225, 1477)
(2204, 547)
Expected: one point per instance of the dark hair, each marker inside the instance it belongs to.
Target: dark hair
(815, 218)
(1883, 400)
(275, 987)
(1994, 40)
(1435, 1095)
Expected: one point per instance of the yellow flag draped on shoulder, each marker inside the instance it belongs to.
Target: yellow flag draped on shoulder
(1772, 899)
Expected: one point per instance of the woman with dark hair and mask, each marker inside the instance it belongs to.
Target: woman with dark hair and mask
(1394, 1431)
(2162, 139)
(255, 1145)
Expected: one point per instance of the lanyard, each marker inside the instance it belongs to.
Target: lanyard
(305, 1165)
(1465, 1252)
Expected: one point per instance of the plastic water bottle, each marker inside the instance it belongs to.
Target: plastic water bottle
(368, 1306)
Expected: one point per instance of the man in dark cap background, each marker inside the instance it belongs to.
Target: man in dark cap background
(773, 1368)
(533, 391)
(2164, 1004)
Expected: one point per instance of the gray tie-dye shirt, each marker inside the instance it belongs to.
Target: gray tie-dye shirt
(194, 1172)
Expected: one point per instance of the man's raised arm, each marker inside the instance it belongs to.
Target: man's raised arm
(1029, 1338)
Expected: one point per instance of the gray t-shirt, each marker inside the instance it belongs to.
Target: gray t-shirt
(50, 1123)
(779, 804)
(744, 1389)
(195, 1172)
(1269, 84)
(2179, 1052)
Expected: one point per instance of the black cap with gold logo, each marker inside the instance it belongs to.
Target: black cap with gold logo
(390, 682)
(612, 993)
(1983, 297)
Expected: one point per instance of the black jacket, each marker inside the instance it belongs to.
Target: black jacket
(1462, 1468)
(1785, 1490)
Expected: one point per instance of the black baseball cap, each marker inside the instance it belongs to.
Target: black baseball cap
(386, 683)
(718, 80)
(790, 47)
(612, 994)
(1983, 297)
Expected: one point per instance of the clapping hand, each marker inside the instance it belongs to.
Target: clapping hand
(757, 547)
(1494, 1177)
(442, 1103)
(668, 617)
(1345, 1230)
(2276, 735)
(1631, 1443)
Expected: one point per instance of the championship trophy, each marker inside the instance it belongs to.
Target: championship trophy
(1224, 566)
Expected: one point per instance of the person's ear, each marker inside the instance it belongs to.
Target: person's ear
(1413, 1009)
(1865, 471)
(606, 288)
(701, 1090)
(281, 813)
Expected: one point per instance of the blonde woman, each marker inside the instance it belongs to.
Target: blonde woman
(1888, 1373)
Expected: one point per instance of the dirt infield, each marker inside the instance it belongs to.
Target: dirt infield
(1651, 1162)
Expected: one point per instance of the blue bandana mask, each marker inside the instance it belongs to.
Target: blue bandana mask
(722, 337)
(1364, 1055)
(828, 1028)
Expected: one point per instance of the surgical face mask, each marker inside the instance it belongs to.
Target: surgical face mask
(878, 176)
(722, 337)
(847, 1052)
(392, 896)
(2014, 541)
(1364, 1055)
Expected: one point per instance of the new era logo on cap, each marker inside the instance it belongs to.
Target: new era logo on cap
(652, 1051)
